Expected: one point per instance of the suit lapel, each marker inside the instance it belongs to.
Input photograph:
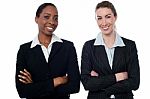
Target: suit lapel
(55, 48)
(38, 53)
(101, 58)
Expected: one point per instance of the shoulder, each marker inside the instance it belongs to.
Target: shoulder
(26, 45)
(128, 42)
(67, 43)
(24, 48)
(90, 42)
(88, 45)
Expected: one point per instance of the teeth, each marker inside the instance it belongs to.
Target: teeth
(105, 28)
(50, 28)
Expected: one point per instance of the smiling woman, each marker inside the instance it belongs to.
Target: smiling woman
(109, 66)
(47, 20)
(47, 67)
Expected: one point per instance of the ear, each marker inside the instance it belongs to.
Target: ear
(36, 19)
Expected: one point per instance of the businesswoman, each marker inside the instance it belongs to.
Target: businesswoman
(109, 66)
(47, 67)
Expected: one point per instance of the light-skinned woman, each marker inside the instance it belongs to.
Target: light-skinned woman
(109, 66)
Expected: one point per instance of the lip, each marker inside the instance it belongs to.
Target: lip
(50, 28)
(105, 28)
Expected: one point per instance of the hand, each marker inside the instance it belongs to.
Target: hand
(93, 73)
(60, 80)
(121, 76)
(25, 77)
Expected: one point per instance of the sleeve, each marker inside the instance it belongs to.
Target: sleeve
(133, 81)
(93, 83)
(73, 84)
(35, 89)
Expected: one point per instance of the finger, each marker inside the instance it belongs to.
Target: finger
(28, 80)
(25, 78)
(22, 77)
(23, 81)
(26, 75)
(27, 72)
(22, 72)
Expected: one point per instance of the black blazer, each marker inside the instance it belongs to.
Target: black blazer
(62, 61)
(101, 87)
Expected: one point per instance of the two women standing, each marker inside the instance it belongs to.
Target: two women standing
(47, 67)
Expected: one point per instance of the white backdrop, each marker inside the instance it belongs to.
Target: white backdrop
(76, 23)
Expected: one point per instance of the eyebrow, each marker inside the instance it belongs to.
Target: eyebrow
(50, 14)
(108, 14)
(101, 16)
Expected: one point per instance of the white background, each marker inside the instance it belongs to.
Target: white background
(76, 23)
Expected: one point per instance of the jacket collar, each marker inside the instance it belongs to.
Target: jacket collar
(36, 41)
(100, 41)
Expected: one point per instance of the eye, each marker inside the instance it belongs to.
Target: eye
(46, 17)
(99, 18)
(55, 18)
(108, 16)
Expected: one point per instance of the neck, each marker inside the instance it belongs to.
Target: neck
(44, 39)
(109, 40)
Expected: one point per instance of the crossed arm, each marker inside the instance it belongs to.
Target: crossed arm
(27, 86)
(119, 76)
(26, 78)
(121, 82)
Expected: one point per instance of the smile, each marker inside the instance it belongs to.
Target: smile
(49, 28)
(105, 28)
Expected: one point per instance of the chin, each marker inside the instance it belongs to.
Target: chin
(106, 33)
(49, 33)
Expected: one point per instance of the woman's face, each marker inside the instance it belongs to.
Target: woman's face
(48, 20)
(105, 20)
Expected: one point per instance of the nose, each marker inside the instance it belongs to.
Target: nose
(103, 22)
(51, 21)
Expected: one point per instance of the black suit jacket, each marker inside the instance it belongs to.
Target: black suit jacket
(62, 61)
(125, 60)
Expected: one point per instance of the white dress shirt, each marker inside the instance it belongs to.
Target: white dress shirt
(110, 51)
(46, 51)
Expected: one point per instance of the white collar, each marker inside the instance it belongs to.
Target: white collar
(36, 41)
(118, 41)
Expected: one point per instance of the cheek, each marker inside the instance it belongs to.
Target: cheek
(109, 21)
(99, 23)
(112, 21)
(56, 23)
(42, 24)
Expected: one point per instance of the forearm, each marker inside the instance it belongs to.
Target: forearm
(124, 86)
(97, 83)
(73, 83)
(35, 89)
(118, 88)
